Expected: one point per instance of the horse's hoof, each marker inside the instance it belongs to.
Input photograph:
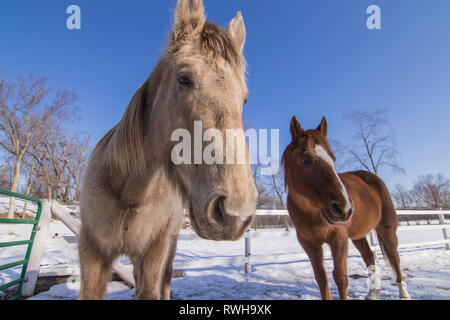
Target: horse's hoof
(405, 297)
(373, 294)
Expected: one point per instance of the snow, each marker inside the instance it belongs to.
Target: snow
(426, 269)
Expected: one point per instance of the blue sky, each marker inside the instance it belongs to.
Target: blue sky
(306, 58)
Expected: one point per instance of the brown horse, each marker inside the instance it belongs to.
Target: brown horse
(327, 207)
(134, 195)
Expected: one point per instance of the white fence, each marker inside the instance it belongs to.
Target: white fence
(246, 259)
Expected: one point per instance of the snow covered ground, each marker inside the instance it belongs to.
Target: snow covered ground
(427, 269)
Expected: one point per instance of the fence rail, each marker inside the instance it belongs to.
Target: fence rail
(248, 259)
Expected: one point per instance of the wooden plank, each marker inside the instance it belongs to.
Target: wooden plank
(272, 213)
(188, 237)
(261, 234)
(209, 262)
(74, 225)
(421, 212)
(60, 212)
(424, 244)
(37, 250)
(423, 227)
(61, 272)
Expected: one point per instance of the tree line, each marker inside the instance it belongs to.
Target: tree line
(428, 192)
(41, 156)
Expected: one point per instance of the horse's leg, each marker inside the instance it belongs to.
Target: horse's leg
(388, 241)
(315, 254)
(95, 269)
(339, 250)
(167, 277)
(137, 272)
(152, 268)
(367, 254)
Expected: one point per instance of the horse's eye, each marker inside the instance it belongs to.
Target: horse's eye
(185, 81)
(306, 160)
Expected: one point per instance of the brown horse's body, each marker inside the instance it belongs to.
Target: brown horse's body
(331, 208)
(365, 191)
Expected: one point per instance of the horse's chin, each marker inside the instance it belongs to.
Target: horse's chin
(331, 219)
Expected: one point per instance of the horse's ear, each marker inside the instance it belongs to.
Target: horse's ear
(323, 127)
(237, 31)
(296, 129)
(189, 17)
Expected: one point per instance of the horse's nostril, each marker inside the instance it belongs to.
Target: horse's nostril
(219, 213)
(336, 208)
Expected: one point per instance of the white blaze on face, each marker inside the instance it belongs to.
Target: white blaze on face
(323, 154)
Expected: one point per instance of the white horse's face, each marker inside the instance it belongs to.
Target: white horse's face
(204, 84)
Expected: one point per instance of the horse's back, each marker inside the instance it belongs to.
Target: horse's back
(378, 184)
(372, 201)
(368, 180)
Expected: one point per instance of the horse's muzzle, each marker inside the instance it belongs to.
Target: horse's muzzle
(220, 224)
(336, 214)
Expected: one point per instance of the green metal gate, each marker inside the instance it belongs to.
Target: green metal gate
(29, 242)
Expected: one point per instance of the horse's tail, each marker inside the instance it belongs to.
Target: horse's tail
(385, 254)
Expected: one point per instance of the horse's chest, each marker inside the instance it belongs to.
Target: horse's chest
(362, 224)
(313, 233)
(140, 228)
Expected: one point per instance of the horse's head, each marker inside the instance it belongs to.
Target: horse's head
(201, 78)
(311, 174)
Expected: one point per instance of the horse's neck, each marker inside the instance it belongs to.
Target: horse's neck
(138, 190)
(304, 207)
(134, 188)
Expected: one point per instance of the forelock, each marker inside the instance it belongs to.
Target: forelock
(214, 42)
(313, 138)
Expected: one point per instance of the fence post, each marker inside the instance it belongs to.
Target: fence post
(373, 241)
(248, 266)
(37, 250)
(444, 229)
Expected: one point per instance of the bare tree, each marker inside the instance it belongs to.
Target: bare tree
(26, 107)
(402, 197)
(61, 159)
(265, 197)
(68, 157)
(432, 192)
(30, 164)
(374, 143)
(43, 171)
(278, 187)
(276, 182)
(4, 177)
(77, 162)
